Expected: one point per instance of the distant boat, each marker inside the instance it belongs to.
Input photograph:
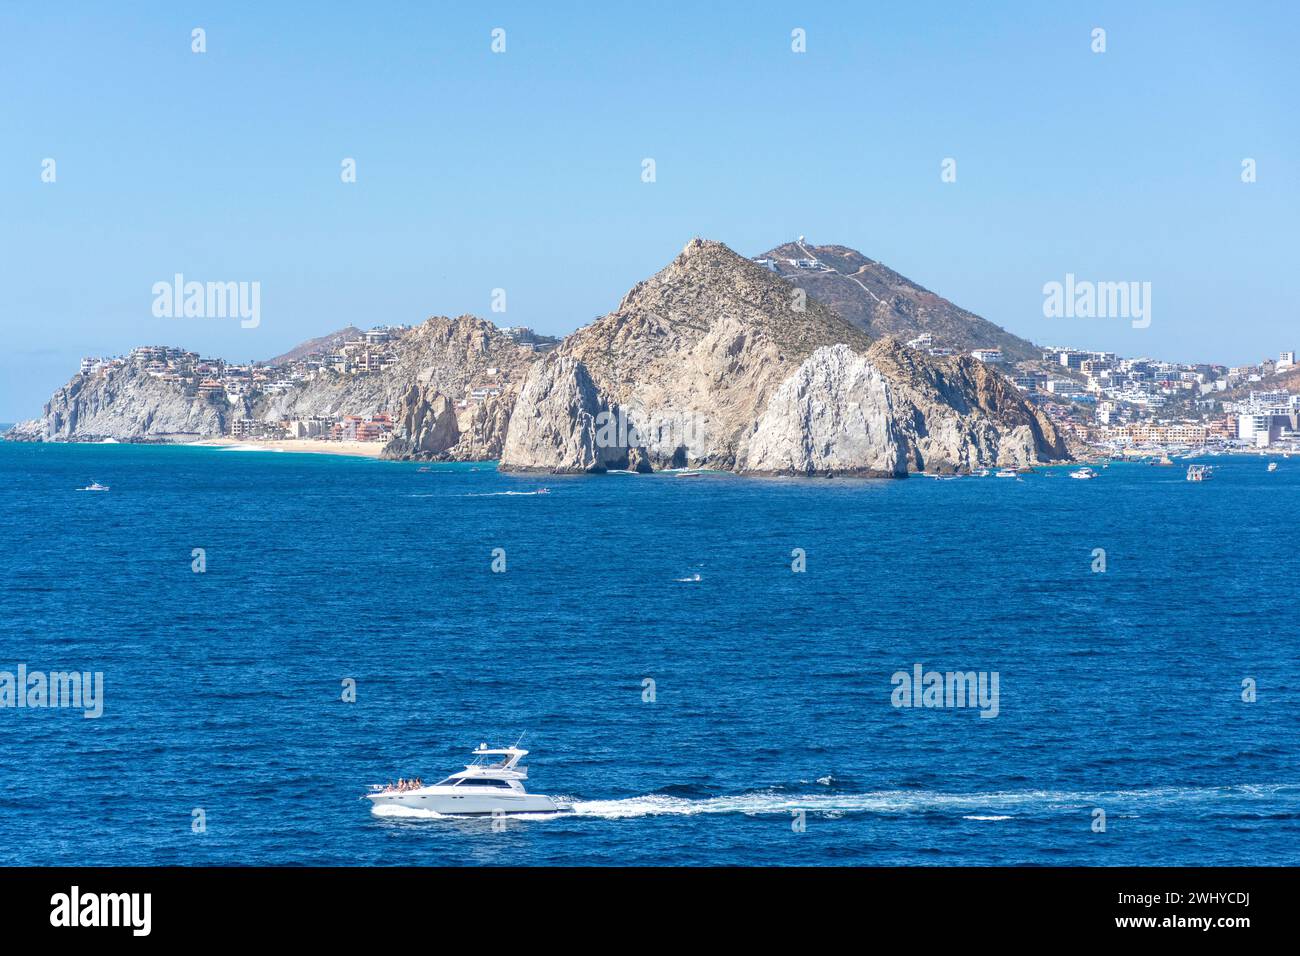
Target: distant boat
(1164, 461)
(543, 491)
(983, 473)
(94, 486)
(1272, 466)
(1083, 474)
(1199, 472)
(1006, 473)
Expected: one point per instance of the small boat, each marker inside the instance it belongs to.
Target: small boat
(687, 474)
(1083, 474)
(543, 491)
(983, 473)
(1199, 472)
(1272, 466)
(94, 486)
(423, 469)
(486, 787)
(1005, 473)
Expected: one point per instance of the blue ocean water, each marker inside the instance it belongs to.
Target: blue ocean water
(1119, 691)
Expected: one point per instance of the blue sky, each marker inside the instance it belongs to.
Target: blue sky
(522, 170)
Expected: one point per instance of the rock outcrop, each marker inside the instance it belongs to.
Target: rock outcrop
(425, 427)
(483, 433)
(447, 355)
(834, 415)
(557, 419)
(958, 414)
(127, 403)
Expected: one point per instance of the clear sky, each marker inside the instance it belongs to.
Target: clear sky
(522, 170)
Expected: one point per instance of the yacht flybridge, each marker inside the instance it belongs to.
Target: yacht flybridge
(491, 783)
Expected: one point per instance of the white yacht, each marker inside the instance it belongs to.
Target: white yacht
(1006, 473)
(1083, 474)
(94, 486)
(491, 783)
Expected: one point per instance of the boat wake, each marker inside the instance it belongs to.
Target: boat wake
(996, 806)
(498, 494)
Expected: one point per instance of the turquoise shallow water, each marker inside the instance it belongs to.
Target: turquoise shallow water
(1119, 690)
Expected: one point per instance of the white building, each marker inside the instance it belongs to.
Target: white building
(1064, 387)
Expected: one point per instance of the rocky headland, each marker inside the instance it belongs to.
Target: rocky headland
(715, 362)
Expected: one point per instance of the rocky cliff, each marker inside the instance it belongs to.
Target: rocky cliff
(128, 403)
(440, 359)
(425, 425)
(834, 415)
(443, 355)
(717, 362)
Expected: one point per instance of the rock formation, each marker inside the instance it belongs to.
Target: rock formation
(834, 415)
(483, 433)
(717, 362)
(556, 421)
(129, 403)
(425, 426)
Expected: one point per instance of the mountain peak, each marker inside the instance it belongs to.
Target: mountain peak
(881, 302)
(708, 281)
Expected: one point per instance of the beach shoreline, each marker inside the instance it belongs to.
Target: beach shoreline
(357, 449)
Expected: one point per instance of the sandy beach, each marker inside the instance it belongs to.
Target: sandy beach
(362, 449)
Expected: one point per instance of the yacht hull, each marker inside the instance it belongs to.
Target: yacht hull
(471, 804)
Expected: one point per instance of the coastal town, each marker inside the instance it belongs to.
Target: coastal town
(1113, 404)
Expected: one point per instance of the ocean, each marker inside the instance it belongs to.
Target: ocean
(688, 695)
